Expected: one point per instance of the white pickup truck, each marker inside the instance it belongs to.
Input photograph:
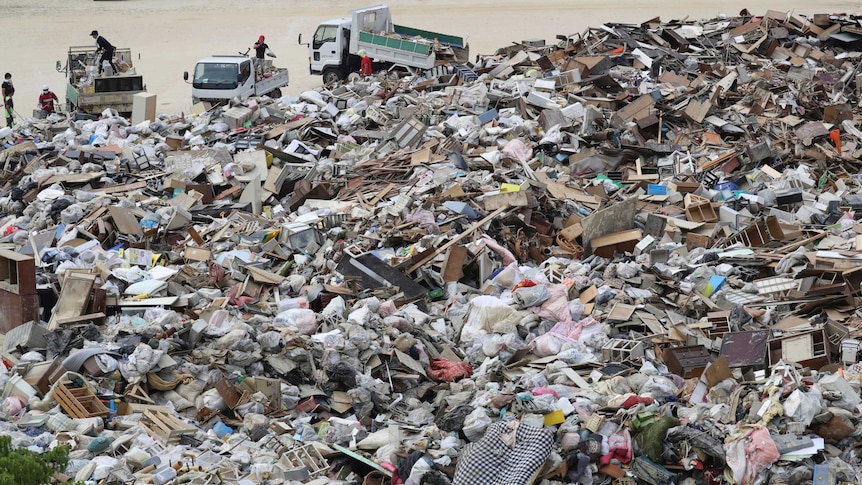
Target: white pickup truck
(218, 79)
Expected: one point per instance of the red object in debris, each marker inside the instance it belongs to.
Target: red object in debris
(633, 401)
(835, 136)
(524, 284)
(445, 370)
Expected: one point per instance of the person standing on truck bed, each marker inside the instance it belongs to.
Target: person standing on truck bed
(261, 49)
(107, 51)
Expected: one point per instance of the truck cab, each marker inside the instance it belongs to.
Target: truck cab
(328, 51)
(221, 78)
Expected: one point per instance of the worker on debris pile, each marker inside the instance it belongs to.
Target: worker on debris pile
(7, 91)
(8, 110)
(107, 50)
(46, 100)
(365, 65)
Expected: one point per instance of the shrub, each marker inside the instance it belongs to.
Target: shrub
(20, 466)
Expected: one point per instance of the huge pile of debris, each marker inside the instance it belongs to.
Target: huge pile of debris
(631, 257)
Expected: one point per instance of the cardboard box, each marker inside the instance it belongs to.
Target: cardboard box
(623, 241)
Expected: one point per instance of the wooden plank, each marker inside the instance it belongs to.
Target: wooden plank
(74, 298)
(120, 188)
(227, 193)
(81, 318)
(125, 220)
(73, 178)
(90, 219)
(263, 276)
(195, 236)
(382, 194)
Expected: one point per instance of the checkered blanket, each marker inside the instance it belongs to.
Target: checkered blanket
(496, 460)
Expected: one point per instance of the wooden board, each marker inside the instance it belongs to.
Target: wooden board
(453, 265)
(264, 276)
(125, 220)
(165, 427)
(74, 298)
(120, 188)
(197, 254)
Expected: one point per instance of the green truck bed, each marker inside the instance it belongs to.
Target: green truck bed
(447, 39)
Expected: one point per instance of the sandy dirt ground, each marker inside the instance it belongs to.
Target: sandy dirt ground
(170, 35)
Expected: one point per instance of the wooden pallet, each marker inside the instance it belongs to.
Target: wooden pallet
(79, 402)
(164, 427)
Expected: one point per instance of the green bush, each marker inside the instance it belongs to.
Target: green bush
(20, 466)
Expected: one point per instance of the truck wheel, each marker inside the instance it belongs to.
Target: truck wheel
(275, 93)
(332, 76)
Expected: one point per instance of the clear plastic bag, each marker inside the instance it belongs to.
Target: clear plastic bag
(531, 296)
(475, 424)
(302, 318)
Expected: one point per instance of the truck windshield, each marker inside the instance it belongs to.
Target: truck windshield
(215, 75)
(324, 33)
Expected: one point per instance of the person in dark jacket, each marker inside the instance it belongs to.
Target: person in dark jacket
(106, 49)
(6, 92)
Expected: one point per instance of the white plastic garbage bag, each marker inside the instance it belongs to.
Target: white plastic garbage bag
(483, 311)
(475, 424)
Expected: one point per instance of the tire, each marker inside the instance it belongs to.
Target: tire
(332, 75)
(275, 93)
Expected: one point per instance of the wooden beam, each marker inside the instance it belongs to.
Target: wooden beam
(120, 188)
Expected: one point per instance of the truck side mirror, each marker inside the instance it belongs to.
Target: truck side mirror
(185, 75)
(59, 66)
(299, 39)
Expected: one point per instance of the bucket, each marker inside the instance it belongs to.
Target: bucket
(5, 131)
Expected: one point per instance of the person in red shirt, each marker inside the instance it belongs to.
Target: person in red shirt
(365, 65)
(46, 100)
